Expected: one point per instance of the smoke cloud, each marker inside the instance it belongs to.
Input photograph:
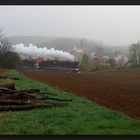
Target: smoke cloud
(32, 51)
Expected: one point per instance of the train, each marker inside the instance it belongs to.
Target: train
(51, 65)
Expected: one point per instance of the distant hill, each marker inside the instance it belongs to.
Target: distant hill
(37, 39)
(29, 39)
(60, 43)
(75, 46)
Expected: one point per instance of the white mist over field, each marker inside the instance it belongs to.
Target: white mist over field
(32, 51)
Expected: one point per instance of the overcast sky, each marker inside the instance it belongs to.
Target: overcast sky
(114, 25)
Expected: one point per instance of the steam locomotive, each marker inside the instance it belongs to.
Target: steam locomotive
(51, 65)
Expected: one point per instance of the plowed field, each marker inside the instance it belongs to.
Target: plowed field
(116, 90)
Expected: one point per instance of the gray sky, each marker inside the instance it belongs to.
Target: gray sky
(114, 25)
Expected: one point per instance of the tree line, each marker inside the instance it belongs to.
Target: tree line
(11, 60)
(133, 60)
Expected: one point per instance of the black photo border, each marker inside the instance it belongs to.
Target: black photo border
(69, 2)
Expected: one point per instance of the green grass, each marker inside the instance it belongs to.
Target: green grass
(81, 117)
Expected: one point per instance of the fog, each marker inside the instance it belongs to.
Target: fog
(113, 25)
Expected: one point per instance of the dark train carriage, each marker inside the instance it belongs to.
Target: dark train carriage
(59, 65)
(52, 65)
(29, 64)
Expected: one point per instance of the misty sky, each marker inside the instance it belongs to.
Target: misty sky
(114, 25)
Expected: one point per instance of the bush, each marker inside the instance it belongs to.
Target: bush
(9, 60)
(111, 62)
(85, 64)
(103, 68)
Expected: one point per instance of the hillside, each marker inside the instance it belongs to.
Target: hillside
(60, 43)
(28, 39)
(75, 46)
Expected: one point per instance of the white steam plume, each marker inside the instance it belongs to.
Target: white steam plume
(31, 51)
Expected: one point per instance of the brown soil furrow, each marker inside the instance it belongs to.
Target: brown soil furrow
(116, 90)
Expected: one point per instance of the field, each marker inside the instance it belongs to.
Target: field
(116, 90)
(80, 117)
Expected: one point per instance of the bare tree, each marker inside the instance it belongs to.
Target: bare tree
(134, 51)
(1, 35)
(8, 58)
(5, 45)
